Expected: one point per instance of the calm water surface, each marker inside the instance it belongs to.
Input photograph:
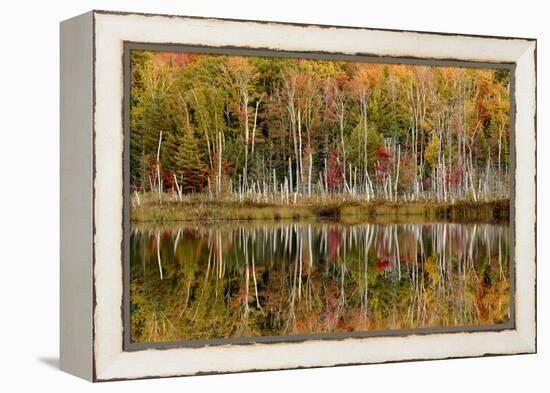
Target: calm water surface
(245, 279)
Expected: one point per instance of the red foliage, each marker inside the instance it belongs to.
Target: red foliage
(334, 175)
(166, 176)
(227, 166)
(382, 154)
(176, 58)
(152, 169)
(168, 180)
(166, 235)
(378, 167)
(333, 240)
(383, 265)
(330, 108)
(193, 181)
(382, 165)
(342, 80)
(453, 179)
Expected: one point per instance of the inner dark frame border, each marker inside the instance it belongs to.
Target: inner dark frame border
(129, 46)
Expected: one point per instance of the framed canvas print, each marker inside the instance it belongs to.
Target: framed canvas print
(246, 195)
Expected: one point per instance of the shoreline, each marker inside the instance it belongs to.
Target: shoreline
(354, 211)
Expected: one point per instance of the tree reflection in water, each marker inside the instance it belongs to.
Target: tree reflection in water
(240, 279)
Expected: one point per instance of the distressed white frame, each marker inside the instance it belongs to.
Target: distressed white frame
(112, 30)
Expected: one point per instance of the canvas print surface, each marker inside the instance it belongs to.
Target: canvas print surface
(283, 197)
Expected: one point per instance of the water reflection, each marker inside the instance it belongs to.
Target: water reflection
(239, 279)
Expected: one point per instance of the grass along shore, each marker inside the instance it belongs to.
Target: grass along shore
(201, 208)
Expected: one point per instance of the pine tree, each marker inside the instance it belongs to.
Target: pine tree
(189, 164)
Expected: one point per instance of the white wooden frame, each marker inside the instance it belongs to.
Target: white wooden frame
(92, 195)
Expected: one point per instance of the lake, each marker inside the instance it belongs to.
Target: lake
(234, 279)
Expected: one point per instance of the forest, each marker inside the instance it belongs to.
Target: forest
(272, 131)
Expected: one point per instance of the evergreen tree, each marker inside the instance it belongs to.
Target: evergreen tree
(192, 170)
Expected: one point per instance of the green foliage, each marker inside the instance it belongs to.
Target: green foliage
(355, 140)
(188, 163)
(205, 105)
(389, 113)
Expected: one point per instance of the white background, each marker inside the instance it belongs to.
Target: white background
(29, 196)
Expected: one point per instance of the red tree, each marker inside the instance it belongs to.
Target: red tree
(334, 175)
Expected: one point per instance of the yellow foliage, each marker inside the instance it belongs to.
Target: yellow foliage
(431, 152)
(432, 268)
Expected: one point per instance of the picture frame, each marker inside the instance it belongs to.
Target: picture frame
(95, 196)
